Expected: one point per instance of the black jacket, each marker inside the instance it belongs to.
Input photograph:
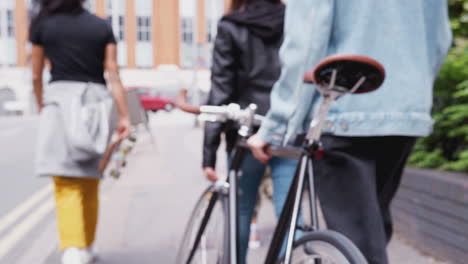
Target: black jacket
(245, 67)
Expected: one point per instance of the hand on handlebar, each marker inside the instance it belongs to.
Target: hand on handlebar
(259, 148)
(210, 174)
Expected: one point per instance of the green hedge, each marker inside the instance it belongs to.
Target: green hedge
(447, 147)
(459, 17)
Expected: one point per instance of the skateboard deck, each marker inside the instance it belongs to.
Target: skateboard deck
(114, 144)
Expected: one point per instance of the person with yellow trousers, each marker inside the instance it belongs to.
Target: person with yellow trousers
(75, 109)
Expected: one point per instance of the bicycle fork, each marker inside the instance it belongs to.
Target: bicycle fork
(214, 198)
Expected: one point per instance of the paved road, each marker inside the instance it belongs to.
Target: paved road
(143, 213)
(17, 142)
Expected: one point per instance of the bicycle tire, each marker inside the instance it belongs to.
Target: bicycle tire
(210, 250)
(329, 246)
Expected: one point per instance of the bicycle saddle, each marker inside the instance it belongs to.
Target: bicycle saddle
(350, 70)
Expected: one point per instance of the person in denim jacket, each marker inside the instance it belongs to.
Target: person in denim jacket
(368, 137)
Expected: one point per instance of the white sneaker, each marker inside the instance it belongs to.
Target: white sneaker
(254, 239)
(88, 255)
(77, 256)
(72, 256)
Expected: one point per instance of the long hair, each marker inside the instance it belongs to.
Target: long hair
(238, 4)
(49, 7)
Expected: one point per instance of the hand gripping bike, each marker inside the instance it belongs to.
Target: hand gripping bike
(335, 76)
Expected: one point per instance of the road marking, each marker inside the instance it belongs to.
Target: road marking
(26, 206)
(12, 238)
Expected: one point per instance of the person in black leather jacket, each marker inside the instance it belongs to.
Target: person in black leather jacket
(245, 67)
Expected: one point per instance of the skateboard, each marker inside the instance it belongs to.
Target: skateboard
(116, 155)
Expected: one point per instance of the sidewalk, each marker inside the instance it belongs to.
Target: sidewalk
(144, 213)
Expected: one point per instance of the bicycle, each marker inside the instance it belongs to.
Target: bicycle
(358, 74)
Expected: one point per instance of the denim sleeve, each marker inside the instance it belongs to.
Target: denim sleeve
(307, 32)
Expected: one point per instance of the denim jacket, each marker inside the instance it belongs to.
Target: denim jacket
(409, 38)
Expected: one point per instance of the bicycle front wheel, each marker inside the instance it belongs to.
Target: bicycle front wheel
(205, 247)
(328, 247)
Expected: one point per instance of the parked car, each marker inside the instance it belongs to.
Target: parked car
(152, 100)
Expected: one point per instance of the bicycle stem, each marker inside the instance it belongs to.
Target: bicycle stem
(248, 121)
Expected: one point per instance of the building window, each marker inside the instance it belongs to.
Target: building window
(121, 35)
(119, 28)
(8, 43)
(110, 14)
(188, 39)
(109, 11)
(144, 55)
(209, 35)
(144, 28)
(187, 30)
(10, 24)
(115, 10)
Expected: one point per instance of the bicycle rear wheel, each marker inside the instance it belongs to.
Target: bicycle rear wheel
(325, 247)
(213, 241)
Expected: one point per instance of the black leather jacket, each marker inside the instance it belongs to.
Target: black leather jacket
(245, 68)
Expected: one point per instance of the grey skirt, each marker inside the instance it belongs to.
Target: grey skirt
(53, 151)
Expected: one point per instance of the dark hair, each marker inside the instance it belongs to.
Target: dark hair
(238, 4)
(50, 7)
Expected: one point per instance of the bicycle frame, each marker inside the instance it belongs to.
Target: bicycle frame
(287, 223)
(303, 180)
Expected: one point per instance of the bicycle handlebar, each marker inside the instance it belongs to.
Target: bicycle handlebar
(235, 113)
(218, 113)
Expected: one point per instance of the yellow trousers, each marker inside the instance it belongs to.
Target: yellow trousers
(77, 210)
